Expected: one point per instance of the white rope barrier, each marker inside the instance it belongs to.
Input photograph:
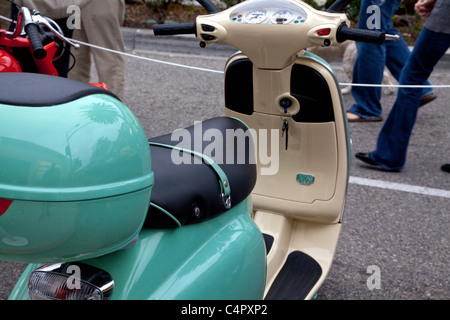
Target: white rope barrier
(218, 71)
(145, 58)
(5, 18)
(395, 85)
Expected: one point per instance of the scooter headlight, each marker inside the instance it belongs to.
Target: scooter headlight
(70, 281)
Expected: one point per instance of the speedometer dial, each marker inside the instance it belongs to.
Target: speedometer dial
(282, 17)
(255, 16)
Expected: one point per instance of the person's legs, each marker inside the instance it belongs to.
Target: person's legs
(394, 137)
(367, 99)
(101, 22)
(397, 53)
(5, 10)
(81, 57)
(370, 62)
(104, 30)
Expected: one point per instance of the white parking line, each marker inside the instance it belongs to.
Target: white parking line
(400, 187)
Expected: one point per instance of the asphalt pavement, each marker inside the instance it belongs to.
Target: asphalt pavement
(397, 222)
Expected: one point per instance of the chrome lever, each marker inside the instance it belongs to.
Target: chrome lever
(392, 37)
(39, 19)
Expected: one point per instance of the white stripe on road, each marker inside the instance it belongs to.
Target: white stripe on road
(400, 187)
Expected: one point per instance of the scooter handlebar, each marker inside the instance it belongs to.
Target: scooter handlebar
(32, 31)
(338, 6)
(173, 29)
(372, 36)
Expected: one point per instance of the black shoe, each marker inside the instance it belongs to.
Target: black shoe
(445, 167)
(428, 98)
(365, 157)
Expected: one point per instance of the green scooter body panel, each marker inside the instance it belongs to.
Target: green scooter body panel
(223, 258)
(78, 176)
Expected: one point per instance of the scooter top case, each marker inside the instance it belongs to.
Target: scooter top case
(75, 170)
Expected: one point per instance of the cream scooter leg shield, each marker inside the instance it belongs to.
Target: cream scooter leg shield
(292, 102)
(299, 197)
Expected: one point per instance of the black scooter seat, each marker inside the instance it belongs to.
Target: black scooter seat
(39, 90)
(190, 191)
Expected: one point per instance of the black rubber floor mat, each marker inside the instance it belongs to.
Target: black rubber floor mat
(296, 279)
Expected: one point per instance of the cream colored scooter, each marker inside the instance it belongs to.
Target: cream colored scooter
(274, 84)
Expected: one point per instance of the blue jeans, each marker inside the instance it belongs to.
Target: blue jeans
(394, 136)
(372, 58)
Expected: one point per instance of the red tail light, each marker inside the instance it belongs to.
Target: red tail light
(4, 205)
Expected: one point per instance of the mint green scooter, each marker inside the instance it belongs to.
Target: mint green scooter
(246, 206)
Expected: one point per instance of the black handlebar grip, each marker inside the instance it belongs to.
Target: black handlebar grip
(173, 29)
(35, 40)
(338, 6)
(209, 6)
(371, 36)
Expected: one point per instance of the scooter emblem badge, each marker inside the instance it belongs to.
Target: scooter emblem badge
(305, 179)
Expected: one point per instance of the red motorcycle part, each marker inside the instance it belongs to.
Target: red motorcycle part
(45, 66)
(8, 63)
(100, 85)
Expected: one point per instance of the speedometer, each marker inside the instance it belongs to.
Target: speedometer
(282, 17)
(255, 16)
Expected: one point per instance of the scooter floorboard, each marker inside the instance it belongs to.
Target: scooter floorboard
(297, 277)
